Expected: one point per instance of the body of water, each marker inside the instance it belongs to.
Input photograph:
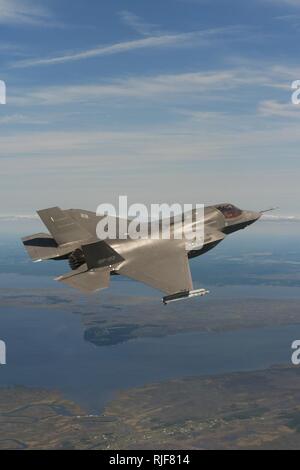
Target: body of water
(45, 348)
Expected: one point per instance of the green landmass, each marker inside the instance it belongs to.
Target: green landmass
(247, 410)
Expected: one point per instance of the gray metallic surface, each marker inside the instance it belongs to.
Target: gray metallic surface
(162, 264)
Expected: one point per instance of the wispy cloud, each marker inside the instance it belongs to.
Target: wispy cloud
(10, 47)
(23, 12)
(203, 115)
(294, 3)
(20, 119)
(292, 17)
(273, 108)
(137, 24)
(195, 38)
(280, 218)
(139, 87)
(17, 217)
(161, 86)
(175, 144)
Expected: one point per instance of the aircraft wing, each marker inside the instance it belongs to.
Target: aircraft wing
(162, 264)
(85, 280)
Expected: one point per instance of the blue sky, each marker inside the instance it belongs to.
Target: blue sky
(171, 100)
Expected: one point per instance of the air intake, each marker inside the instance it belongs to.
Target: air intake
(76, 259)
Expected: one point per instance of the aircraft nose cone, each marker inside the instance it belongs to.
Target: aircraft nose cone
(256, 215)
(253, 216)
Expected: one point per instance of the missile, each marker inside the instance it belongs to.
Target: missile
(184, 295)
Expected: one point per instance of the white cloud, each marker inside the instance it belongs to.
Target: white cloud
(161, 86)
(295, 3)
(287, 72)
(273, 108)
(86, 162)
(20, 119)
(169, 144)
(140, 87)
(195, 38)
(10, 47)
(137, 24)
(22, 12)
(203, 115)
(17, 217)
(291, 18)
(280, 218)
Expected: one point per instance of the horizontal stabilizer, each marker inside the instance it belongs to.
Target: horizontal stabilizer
(63, 228)
(42, 246)
(87, 281)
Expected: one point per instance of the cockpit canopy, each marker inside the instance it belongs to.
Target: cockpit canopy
(229, 210)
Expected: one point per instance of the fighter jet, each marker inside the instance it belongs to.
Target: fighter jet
(160, 263)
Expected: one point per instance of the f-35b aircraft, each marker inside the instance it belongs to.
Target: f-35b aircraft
(159, 263)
